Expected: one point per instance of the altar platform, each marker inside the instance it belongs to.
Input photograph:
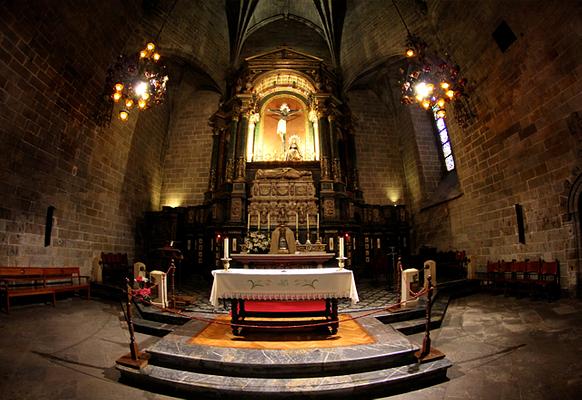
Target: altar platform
(368, 358)
(371, 355)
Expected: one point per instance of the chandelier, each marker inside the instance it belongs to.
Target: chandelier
(139, 81)
(430, 80)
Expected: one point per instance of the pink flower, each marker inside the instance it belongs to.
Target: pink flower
(145, 292)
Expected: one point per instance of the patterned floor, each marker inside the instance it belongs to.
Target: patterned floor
(373, 295)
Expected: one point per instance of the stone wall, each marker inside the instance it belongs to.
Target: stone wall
(189, 147)
(524, 146)
(100, 180)
(378, 150)
(197, 31)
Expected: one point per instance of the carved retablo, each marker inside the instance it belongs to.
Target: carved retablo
(283, 196)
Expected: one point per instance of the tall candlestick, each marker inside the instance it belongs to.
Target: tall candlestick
(297, 224)
(341, 246)
(225, 247)
(317, 226)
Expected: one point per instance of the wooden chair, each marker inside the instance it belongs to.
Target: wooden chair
(503, 276)
(548, 281)
(532, 274)
(518, 281)
(487, 278)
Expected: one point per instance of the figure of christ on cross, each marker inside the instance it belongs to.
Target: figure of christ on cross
(284, 113)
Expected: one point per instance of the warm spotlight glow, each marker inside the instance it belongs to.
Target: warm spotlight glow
(141, 103)
(450, 94)
(156, 56)
(173, 202)
(116, 96)
(123, 115)
(410, 53)
(441, 103)
(143, 54)
(129, 103)
(119, 87)
(150, 46)
(393, 195)
(445, 85)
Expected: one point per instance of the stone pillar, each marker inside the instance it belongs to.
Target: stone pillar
(251, 129)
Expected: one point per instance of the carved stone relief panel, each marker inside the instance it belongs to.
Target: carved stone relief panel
(236, 209)
(329, 208)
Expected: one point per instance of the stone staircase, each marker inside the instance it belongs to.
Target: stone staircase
(386, 366)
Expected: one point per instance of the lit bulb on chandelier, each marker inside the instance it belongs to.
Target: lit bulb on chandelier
(423, 90)
(140, 88)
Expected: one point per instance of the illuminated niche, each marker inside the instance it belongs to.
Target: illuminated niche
(285, 127)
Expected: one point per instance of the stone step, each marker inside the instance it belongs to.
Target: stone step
(402, 315)
(313, 363)
(383, 382)
(152, 328)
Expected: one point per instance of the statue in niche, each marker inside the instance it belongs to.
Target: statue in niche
(284, 113)
(284, 172)
(293, 153)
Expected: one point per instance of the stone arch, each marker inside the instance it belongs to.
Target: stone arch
(573, 217)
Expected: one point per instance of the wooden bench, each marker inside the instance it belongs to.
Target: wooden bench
(30, 281)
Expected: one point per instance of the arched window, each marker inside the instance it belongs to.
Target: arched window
(444, 140)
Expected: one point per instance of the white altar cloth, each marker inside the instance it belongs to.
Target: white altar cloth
(277, 284)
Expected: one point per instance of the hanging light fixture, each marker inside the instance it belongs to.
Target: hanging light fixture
(138, 81)
(430, 80)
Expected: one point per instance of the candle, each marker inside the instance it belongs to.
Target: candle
(268, 222)
(259, 221)
(341, 246)
(225, 247)
(307, 224)
(249, 222)
(297, 224)
(317, 226)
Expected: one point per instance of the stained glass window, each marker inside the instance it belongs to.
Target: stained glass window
(446, 149)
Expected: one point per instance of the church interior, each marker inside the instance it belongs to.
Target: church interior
(376, 173)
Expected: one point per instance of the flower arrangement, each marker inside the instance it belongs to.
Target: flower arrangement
(257, 242)
(141, 291)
